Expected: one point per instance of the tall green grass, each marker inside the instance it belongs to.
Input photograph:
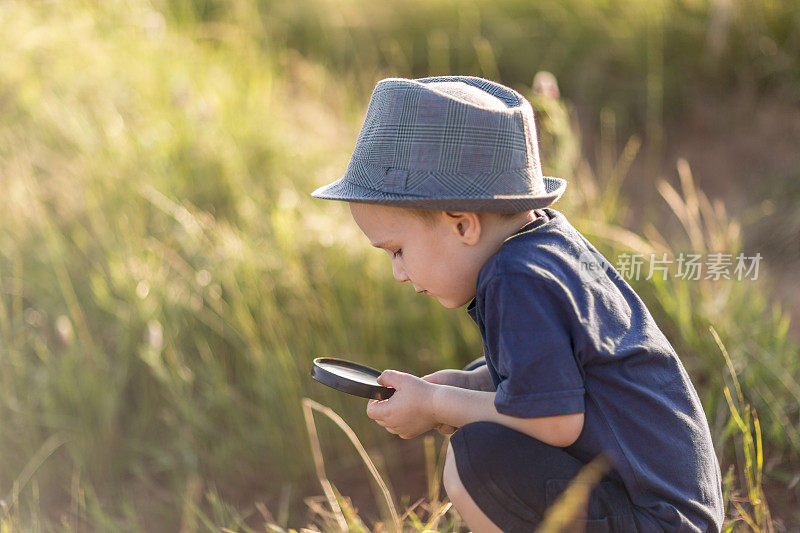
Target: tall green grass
(641, 58)
(165, 281)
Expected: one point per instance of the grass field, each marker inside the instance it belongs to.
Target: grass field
(165, 280)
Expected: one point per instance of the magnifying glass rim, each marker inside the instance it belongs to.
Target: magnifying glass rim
(364, 390)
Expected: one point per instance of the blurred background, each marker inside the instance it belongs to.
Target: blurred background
(166, 280)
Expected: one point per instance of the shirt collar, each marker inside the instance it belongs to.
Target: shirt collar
(541, 218)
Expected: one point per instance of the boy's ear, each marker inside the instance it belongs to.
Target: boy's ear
(466, 226)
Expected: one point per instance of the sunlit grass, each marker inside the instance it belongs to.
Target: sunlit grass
(165, 281)
(164, 286)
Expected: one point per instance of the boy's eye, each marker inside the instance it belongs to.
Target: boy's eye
(397, 253)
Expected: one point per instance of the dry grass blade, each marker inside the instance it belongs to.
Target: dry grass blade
(308, 405)
(728, 362)
(691, 201)
(616, 235)
(430, 467)
(561, 516)
(437, 515)
(319, 465)
(194, 491)
(486, 58)
(440, 463)
(678, 207)
(624, 162)
(743, 514)
(56, 249)
(48, 448)
(752, 449)
(412, 508)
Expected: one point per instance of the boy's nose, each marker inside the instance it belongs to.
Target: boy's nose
(399, 272)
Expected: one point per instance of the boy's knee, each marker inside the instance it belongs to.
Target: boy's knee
(473, 516)
(450, 480)
(473, 439)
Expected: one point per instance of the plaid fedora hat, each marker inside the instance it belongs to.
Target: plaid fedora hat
(457, 143)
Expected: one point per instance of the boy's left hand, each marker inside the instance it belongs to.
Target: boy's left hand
(409, 412)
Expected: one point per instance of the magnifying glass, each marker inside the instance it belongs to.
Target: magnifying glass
(352, 378)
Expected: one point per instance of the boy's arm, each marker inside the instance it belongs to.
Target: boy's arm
(458, 407)
(418, 406)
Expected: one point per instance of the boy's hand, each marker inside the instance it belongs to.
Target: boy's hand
(450, 376)
(409, 412)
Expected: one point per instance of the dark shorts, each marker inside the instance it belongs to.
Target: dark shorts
(513, 478)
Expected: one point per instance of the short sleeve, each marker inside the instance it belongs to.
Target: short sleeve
(527, 325)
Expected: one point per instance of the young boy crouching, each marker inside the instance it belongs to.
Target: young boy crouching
(445, 177)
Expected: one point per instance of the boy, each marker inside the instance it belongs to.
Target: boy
(445, 177)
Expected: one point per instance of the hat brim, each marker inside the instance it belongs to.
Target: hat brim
(347, 191)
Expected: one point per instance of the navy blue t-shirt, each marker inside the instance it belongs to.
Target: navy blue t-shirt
(560, 338)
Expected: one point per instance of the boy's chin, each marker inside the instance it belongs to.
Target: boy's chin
(450, 304)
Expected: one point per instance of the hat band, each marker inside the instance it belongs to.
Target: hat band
(427, 184)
